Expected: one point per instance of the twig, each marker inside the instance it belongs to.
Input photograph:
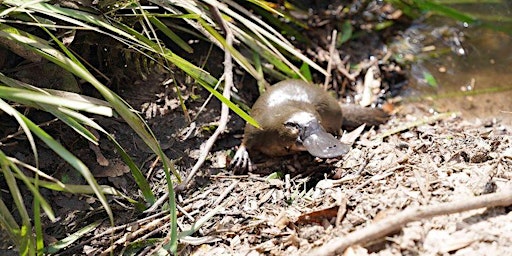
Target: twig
(342, 201)
(228, 75)
(185, 213)
(21, 131)
(226, 192)
(372, 179)
(396, 221)
(207, 99)
(130, 236)
(422, 185)
(345, 72)
(329, 64)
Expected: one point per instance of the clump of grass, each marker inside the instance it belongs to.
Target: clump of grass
(36, 30)
(138, 27)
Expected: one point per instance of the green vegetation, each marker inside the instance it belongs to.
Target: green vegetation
(140, 31)
(448, 8)
(40, 32)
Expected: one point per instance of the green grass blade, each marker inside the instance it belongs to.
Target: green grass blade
(141, 181)
(35, 192)
(445, 10)
(7, 221)
(236, 54)
(124, 32)
(58, 246)
(55, 184)
(306, 72)
(272, 35)
(122, 108)
(17, 94)
(203, 78)
(72, 160)
(283, 26)
(25, 240)
(268, 51)
(170, 34)
(12, 112)
(71, 122)
(58, 93)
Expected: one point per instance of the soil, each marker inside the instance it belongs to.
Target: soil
(291, 204)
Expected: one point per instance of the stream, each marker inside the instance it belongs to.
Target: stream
(475, 77)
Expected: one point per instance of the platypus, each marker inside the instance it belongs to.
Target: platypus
(297, 116)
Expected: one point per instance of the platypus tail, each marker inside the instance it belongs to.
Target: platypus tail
(355, 115)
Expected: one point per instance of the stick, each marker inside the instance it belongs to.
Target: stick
(331, 53)
(385, 226)
(224, 116)
(226, 192)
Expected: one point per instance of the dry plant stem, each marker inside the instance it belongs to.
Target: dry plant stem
(329, 64)
(345, 72)
(113, 229)
(158, 202)
(226, 192)
(203, 106)
(287, 186)
(228, 75)
(342, 210)
(422, 185)
(185, 213)
(385, 226)
(20, 131)
(147, 227)
(160, 229)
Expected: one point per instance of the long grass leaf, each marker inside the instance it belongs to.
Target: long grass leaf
(236, 54)
(135, 121)
(58, 246)
(7, 220)
(130, 34)
(16, 94)
(136, 172)
(26, 243)
(171, 35)
(57, 185)
(72, 160)
(445, 10)
(278, 61)
(271, 36)
(71, 122)
(12, 112)
(59, 93)
(203, 78)
(35, 192)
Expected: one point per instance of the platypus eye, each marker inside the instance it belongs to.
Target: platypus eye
(291, 125)
(293, 128)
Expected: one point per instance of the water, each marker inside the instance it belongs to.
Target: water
(483, 68)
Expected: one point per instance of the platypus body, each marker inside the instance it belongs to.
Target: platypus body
(297, 116)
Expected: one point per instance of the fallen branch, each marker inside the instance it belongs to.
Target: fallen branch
(392, 223)
(228, 84)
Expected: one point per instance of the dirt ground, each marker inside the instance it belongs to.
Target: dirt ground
(449, 160)
(293, 204)
(289, 205)
(296, 203)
